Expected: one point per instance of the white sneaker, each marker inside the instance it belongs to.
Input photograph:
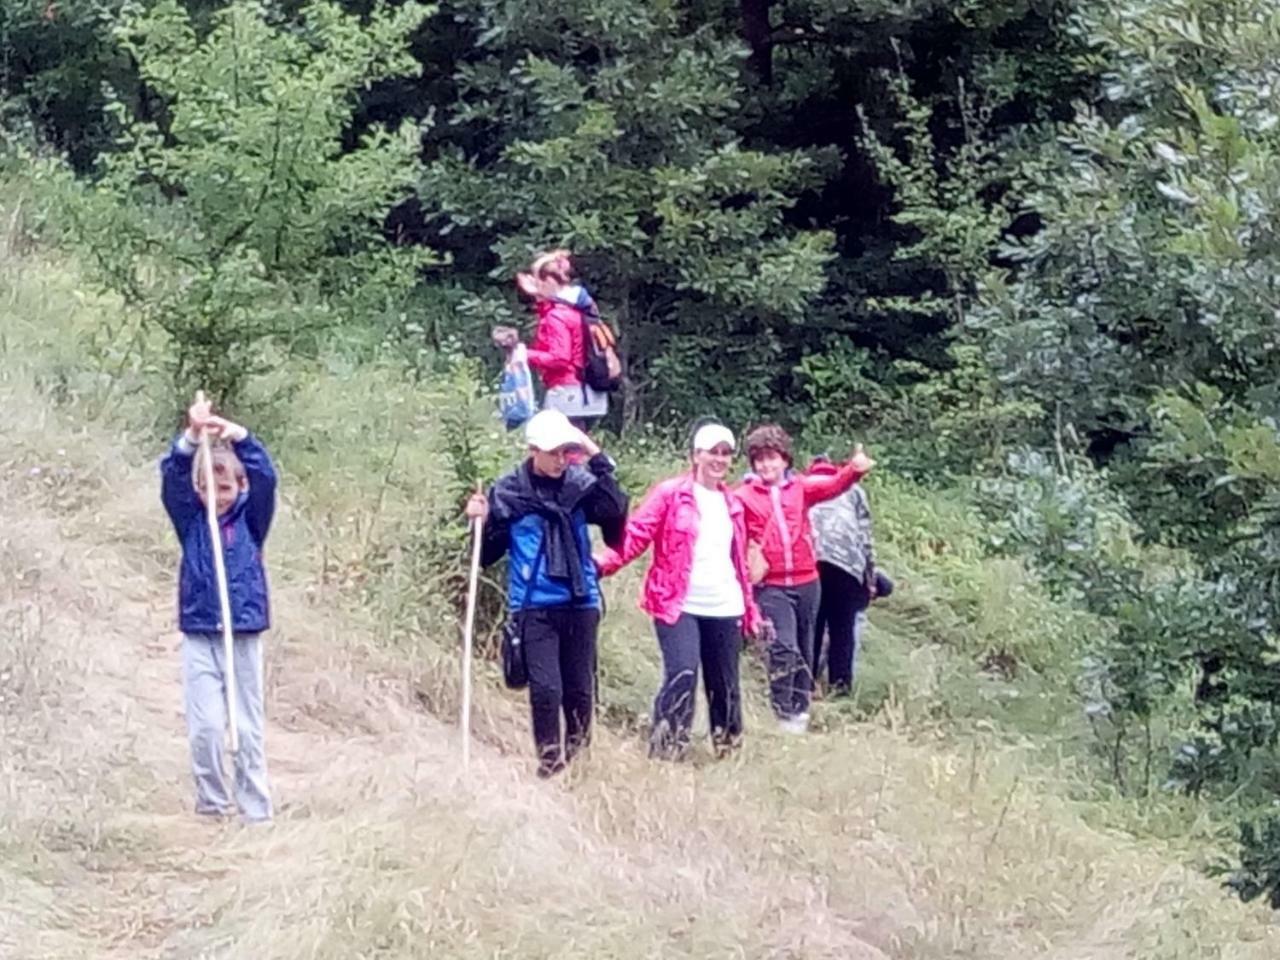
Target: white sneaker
(797, 725)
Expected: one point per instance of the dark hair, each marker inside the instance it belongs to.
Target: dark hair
(768, 437)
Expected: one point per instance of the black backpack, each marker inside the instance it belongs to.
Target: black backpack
(601, 369)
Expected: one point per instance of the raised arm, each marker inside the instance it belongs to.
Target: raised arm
(820, 487)
(177, 491)
(261, 473)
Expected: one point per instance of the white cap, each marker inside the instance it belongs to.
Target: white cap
(711, 435)
(549, 430)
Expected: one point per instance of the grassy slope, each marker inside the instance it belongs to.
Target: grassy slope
(934, 830)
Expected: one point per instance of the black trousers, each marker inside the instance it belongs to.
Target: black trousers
(715, 643)
(844, 598)
(560, 656)
(793, 611)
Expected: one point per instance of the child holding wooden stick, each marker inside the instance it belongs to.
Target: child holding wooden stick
(244, 495)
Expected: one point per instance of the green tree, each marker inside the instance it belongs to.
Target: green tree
(240, 219)
(1145, 312)
(612, 128)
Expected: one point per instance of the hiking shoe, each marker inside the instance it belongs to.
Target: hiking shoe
(796, 726)
(548, 770)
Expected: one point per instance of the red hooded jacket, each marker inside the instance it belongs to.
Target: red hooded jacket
(557, 351)
(778, 519)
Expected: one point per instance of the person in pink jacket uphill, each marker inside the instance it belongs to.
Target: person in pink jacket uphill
(558, 351)
(697, 590)
(776, 503)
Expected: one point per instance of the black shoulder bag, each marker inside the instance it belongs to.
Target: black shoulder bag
(515, 671)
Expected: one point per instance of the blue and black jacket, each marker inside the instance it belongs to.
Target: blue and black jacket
(542, 523)
(244, 531)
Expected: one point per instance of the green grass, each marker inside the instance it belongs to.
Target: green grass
(945, 811)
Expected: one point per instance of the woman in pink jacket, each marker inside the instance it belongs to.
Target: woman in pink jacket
(697, 590)
(558, 352)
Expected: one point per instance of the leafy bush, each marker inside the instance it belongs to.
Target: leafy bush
(234, 218)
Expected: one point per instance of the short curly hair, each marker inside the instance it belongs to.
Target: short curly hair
(769, 437)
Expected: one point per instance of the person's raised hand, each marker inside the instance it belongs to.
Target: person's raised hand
(225, 429)
(199, 414)
(527, 284)
(860, 460)
(589, 446)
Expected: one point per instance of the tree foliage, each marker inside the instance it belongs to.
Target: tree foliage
(1145, 312)
(239, 217)
(1027, 243)
(612, 129)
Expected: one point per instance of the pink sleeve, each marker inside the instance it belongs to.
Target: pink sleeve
(642, 527)
(751, 618)
(825, 486)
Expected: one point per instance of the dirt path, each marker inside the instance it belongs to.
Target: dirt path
(857, 844)
(114, 864)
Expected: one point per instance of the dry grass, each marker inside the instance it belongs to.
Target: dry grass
(858, 842)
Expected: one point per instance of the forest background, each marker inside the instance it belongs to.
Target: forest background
(1026, 250)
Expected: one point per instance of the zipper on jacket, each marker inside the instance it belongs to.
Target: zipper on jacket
(775, 497)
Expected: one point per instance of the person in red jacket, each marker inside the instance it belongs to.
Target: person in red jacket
(776, 502)
(698, 592)
(558, 351)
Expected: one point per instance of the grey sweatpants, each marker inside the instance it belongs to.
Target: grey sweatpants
(204, 696)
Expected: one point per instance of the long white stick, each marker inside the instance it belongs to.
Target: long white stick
(220, 569)
(477, 529)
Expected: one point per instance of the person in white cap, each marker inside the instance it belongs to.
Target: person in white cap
(539, 514)
(698, 592)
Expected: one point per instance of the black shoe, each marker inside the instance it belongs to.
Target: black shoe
(548, 770)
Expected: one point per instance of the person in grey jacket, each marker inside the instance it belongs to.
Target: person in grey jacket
(849, 578)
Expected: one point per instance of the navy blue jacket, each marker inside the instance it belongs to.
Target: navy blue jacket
(244, 531)
(547, 535)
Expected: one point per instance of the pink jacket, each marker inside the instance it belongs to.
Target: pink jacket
(668, 518)
(557, 351)
(777, 518)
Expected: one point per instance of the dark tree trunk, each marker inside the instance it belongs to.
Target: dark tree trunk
(756, 33)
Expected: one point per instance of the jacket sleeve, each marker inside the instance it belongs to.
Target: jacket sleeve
(820, 487)
(751, 618)
(640, 530)
(177, 491)
(606, 505)
(753, 523)
(261, 472)
(496, 538)
(552, 349)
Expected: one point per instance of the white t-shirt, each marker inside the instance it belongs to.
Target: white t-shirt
(714, 590)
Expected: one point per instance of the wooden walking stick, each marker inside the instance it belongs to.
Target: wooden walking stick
(220, 570)
(468, 632)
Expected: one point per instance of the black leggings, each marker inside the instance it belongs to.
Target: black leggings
(715, 642)
(844, 597)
